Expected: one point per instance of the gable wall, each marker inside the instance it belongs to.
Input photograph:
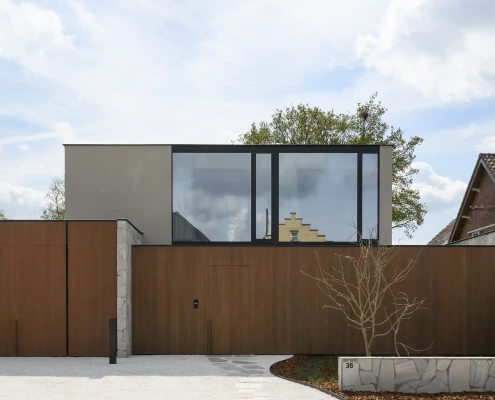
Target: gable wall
(481, 218)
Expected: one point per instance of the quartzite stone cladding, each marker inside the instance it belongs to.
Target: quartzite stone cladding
(127, 236)
(417, 374)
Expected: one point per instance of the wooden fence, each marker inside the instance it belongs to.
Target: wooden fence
(57, 287)
(256, 300)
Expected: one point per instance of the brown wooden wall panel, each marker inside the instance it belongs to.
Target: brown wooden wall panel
(32, 232)
(227, 308)
(6, 326)
(261, 296)
(164, 286)
(479, 300)
(92, 266)
(287, 312)
(39, 299)
(185, 282)
(149, 310)
(218, 299)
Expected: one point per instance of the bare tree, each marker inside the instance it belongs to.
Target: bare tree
(55, 207)
(358, 286)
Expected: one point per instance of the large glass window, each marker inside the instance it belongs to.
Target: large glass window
(211, 197)
(318, 197)
(370, 196)
(263, 196)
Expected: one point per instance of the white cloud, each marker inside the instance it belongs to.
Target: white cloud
(487, 145)
(438, 192)
(86, 19)
(23, 147)
(20, 195)
(442, 48)
(474, 136)
(149, 71)
(30, 34)
(60, 130)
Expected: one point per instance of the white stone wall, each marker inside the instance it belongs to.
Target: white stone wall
(127, 236)
(417, 374)
(481, 240)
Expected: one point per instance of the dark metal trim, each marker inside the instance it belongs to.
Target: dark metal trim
(171, 196)
(112, 332)
(359, 196)
(307, 148)
(275, 186)
(253, 197)
(130, 223)
(379, 198)
(258, 243)
(210, 145)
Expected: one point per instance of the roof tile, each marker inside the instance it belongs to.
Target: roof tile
(443, 236)
(489, 159)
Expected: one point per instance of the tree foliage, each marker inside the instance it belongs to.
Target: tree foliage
(2, 215)
(311, 125)
(55, 207)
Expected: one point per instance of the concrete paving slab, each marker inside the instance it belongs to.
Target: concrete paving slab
(147, 377)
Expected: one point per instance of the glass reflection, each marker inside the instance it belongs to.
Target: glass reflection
(263, 196)
(370, 196)
(318, 197)
(211, 197)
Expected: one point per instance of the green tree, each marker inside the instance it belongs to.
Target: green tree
(55, 207)
(311, 125)
(2, 215)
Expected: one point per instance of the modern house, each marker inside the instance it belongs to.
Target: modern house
(190, 249)
(186, 194)
(475, 221)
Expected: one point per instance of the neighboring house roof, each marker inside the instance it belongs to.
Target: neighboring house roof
(184, 231)
(486, 161)
(489, 160)
(449, 234)
(443, 236)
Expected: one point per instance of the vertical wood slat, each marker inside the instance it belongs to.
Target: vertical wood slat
(6, 328)
(92, 269)
(15, 337)
(39, 299)
(286, 308)
(32, 288)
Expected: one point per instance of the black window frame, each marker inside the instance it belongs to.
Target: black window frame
(275, 151)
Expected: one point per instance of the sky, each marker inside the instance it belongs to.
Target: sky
(193, 71)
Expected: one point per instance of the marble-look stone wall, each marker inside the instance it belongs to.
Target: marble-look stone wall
(127, 236)
(417, 374)
(487, 239)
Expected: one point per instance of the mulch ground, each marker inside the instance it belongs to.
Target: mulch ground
(322, 371)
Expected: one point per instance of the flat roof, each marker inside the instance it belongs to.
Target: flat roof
(227, 144)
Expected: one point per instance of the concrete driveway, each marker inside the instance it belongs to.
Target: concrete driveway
(148, 377)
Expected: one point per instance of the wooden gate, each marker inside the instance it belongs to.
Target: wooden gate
(166, 285)
(227, 309)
